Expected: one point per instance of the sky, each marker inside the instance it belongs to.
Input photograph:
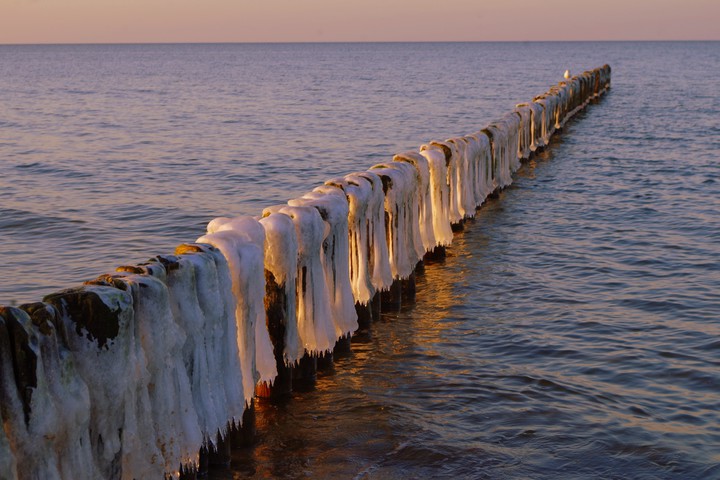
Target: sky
(146, 21)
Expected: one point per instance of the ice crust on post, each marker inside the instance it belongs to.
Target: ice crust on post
(47, 412)
(173, 411)
(400, 181)
(439, 192)
(217, 303)
(186, 274)
(241, 240)
(424, 198)
(332, 205)
(369, 265)
(123, 440)
(382, 277)
(314, 311)
(254, 281)
(480, 153)
(281, 254)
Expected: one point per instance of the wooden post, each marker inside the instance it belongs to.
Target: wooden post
(219, 456)
(365, 315)
(408, 289)
(304, 375)
(392, 299)
(276, 318)
(376, 306)
(325, 362)
(244, 436)
(437, 254)
(342, 347)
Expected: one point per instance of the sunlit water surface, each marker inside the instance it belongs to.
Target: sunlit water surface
(572, 332)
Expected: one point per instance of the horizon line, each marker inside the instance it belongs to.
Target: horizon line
(310, 42)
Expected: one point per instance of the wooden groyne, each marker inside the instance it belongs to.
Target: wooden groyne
(151, 371)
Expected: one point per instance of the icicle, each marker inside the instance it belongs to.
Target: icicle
(439, 193)
(451, 163)
(100, 329)
(511, 121)
(183, 273)
(424, 196)
(525, 145)
(8, 464)
(358, 192)
(501, 164)
(251, 230)
(314, 313)
(405, 247)
(46, 413)
(536, 125)
(217, 302)
(162, 339)
(332, 205)
(382, 277)
(245, 259)
(481, 148)
(281, 259)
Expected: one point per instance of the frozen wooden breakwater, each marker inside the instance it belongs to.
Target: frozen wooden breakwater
(151, 371)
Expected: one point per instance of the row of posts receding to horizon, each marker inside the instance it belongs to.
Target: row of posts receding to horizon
(151, 371)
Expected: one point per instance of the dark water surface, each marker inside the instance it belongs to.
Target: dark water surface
(574, 329)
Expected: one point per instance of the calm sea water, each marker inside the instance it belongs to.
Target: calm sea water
(574, 329)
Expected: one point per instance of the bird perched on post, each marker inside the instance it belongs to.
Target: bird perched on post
(567, 74)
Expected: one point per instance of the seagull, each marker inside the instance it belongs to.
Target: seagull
(567, 74)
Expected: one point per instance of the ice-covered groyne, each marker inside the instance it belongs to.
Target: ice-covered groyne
(135, 373)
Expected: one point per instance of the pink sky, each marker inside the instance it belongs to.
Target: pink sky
(139, 21)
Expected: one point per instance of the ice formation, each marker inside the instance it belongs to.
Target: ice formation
(45, 402)
(174, 418)
(103, 337)
(382, 277)
(127, 376)
(333, 207)
(281, 253)
(254, 275)
(486, 182)
(358, 192)
(424, 198)
(523, 111)
(314, 311)
(187, 276)
(439, 192)
(241, 241)
(217, 303)
(369, 265)
(400, 181)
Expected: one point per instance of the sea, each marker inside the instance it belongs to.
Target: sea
(573, 331)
